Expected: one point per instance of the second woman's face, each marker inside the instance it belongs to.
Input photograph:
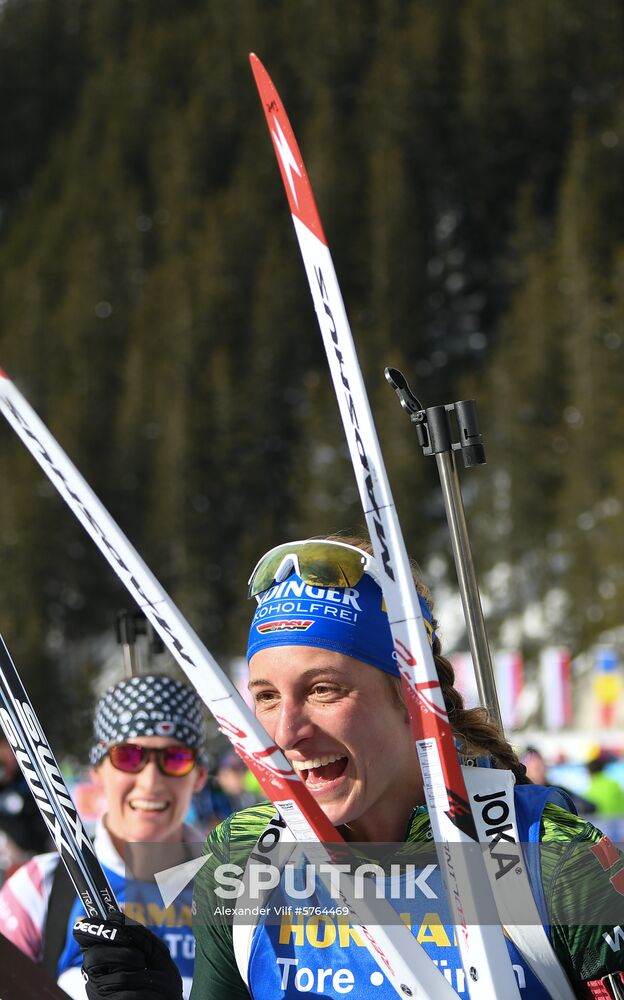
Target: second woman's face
(148, 806)
(344, 732)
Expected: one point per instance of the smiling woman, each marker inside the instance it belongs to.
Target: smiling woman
(146, 759)
(148, 731)
(326, 687)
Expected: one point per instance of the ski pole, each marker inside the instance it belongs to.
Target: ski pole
(484, 954)
(45, 780)
(130, 625)
(433, 426)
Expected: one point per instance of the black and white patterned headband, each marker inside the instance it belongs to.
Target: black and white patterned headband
(147, 706)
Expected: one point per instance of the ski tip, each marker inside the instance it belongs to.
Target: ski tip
(292, 168)
(262, 78)
(3, 374)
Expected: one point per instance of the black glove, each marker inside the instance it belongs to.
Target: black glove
(125, 961)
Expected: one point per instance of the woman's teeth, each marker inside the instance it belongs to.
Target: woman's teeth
(148, 805)
(307, 765)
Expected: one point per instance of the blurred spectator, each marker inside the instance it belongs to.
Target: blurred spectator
(231, 775)
(22, 830)
(227, 793)
(537, 772)
(603, 791)
(535, 766)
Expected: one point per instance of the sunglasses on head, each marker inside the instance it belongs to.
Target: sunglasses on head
(173, 761)
(318, 562)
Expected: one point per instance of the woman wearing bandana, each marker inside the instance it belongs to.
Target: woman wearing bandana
(149, 731)
(326, 688)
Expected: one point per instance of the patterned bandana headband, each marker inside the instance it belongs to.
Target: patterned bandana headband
(147, 706)
(349, 620)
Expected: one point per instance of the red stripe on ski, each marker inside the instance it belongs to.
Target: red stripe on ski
(294, 175)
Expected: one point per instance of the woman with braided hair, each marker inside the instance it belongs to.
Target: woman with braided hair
(326, 688)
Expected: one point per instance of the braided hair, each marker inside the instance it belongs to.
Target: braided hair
(477, 734)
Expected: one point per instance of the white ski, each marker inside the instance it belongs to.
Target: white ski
(485, 958)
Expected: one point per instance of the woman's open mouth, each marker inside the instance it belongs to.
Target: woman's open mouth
(317, 771)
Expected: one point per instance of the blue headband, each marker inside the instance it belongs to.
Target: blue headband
(349, 620)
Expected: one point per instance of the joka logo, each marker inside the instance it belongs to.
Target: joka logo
(96, 930)
(286, 625)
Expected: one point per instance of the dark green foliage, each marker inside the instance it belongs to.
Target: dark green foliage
(467, 163)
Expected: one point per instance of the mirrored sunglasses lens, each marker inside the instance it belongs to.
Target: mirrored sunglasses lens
(177, 761)
(331, 566)
(127, 757)
(320, 564)
(263, 575)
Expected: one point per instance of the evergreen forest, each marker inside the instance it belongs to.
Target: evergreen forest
(467, 159)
